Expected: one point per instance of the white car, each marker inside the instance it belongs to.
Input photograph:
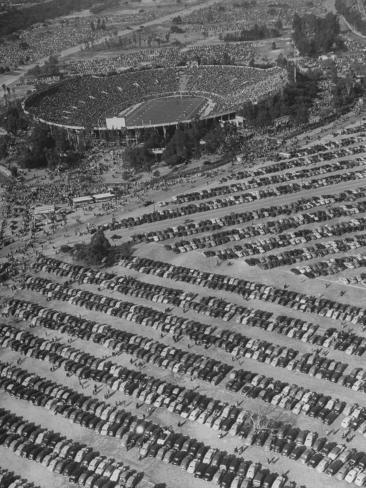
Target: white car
(352, 475)
(279, 481)
(192, 466)
(360, 479)
(322, 466)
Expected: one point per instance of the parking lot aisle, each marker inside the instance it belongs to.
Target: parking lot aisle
(33, 472)
(279, 373)
(108, 446)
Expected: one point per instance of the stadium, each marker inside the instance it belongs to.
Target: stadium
(131, 101)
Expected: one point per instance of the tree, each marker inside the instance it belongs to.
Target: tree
(315, 35)
(140, 158)
(40, 142)
(278, 25)
(179, 148)
(97, 251)
(62, 143)
(214, 138)
(14, 119)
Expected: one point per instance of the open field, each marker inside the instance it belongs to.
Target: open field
(165, 110)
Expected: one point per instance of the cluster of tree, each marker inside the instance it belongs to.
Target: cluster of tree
(96, 252)
(256, 33)
(297, 98)
(99, 250)
(106, 4)
(316, 35)
(14, 120)
(140, 158)
(182, 144)
(16, 19)
(50, 68)
(99, 25)
(46, 149)
(294, 101)
(346, 91)
(175, 29)
(349, 10)
(245, 4)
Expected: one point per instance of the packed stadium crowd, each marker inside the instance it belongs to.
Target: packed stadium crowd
(42, 40)
(87, 101)
(239, 53)
(45, 39)
(237, 16)
(353, 59)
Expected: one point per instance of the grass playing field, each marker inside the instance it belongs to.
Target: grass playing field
(165, 110)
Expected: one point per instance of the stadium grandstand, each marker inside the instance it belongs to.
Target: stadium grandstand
(134, 100)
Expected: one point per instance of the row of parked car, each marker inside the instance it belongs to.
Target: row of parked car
(89, 412)
(259, 176)
(9, 479)
(239, 345)
(156, 392)
(292, 256)
(331, 266)
(189, 404)
(151, 439)
(251, 384)
(296, 328)
(271, 179)
(78, 462)
(266, 244)
(235, 199)
(278, 225)
(227, 420)
(248, 290)
(191, 227)
(196, 365)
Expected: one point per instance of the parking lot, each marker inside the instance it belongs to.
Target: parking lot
(227, 351)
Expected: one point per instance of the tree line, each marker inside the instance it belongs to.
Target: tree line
(256, 33)
(294, 101)
(182, 144)
(314, 35)
(50, 149)
(297, 98)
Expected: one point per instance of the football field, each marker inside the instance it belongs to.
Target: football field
(165, 110)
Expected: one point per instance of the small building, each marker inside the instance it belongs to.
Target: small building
(82, 201)
(43, 210)
(103, 197)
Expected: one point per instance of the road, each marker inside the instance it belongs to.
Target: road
(13, 78)
(352, 29)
